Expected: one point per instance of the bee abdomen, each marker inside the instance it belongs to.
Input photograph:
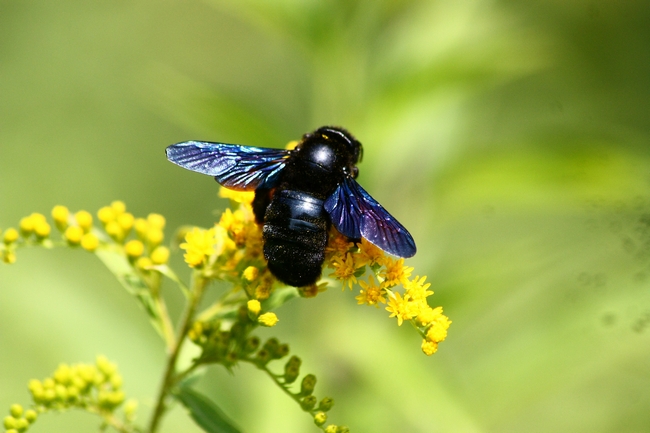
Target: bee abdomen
(295, 235)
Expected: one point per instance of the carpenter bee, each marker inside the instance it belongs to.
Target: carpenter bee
(298, 194)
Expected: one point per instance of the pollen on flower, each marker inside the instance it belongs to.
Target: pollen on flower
(371, 293)
(198, 245)
(268, 319)
(344, 269)
(400, 307)
(395, 272)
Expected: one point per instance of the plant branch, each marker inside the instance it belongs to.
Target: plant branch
(198, 287)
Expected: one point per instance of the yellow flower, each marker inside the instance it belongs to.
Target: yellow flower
(73, 235)
(268, 319)
(155, 236)
(371, 293)
(429, 347)
(198, 245)
(237, 196)
(29, 223)
(141, 227)
(60, 216)
(10, 236)
(254, 306)
(344, 270)
(144, 263)
(160, 255)
(250, 273)
(417, 289)
(8, 257)
(42, 228)
(369, 254)
(399, 307)
(125, 220)
(89, 242)
(115, 231)
(395, 272)
(118, 207)
(156, 220)
(437, 331)
(84, 219)
(338, 245)
(106, 214)
(134, 249)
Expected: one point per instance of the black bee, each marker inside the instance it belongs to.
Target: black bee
(298, 194)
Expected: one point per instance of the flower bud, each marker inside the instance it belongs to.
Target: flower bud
(133, 249)
(16, 410)
(254, 308)
(160, 255)
(10, 236)
(292, 369)
(73, 235)
(84, 219)
(326, 404)
(60, 216)
(308, 384)
(308, 403)
(320, 418)
(268, 319)
(89, 242)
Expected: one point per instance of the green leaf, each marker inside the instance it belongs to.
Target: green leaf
(204, 411)
(279, 297)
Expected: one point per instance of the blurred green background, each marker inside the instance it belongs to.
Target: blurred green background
(511, 138)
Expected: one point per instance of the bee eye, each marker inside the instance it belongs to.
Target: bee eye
(354, 172)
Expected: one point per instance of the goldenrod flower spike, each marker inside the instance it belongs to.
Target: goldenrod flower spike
(199, 245)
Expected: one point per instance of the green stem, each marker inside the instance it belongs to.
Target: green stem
(198, 287)
(163, 314)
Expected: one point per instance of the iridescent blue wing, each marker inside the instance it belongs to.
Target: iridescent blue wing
(242, 168)
(356, 214)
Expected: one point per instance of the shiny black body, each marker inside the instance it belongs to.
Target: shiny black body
(299, 194)
(296, 225)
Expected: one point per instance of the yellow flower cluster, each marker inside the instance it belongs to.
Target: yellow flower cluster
(232, 248)
(349, 263)
(95, 387)
(77, 229)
